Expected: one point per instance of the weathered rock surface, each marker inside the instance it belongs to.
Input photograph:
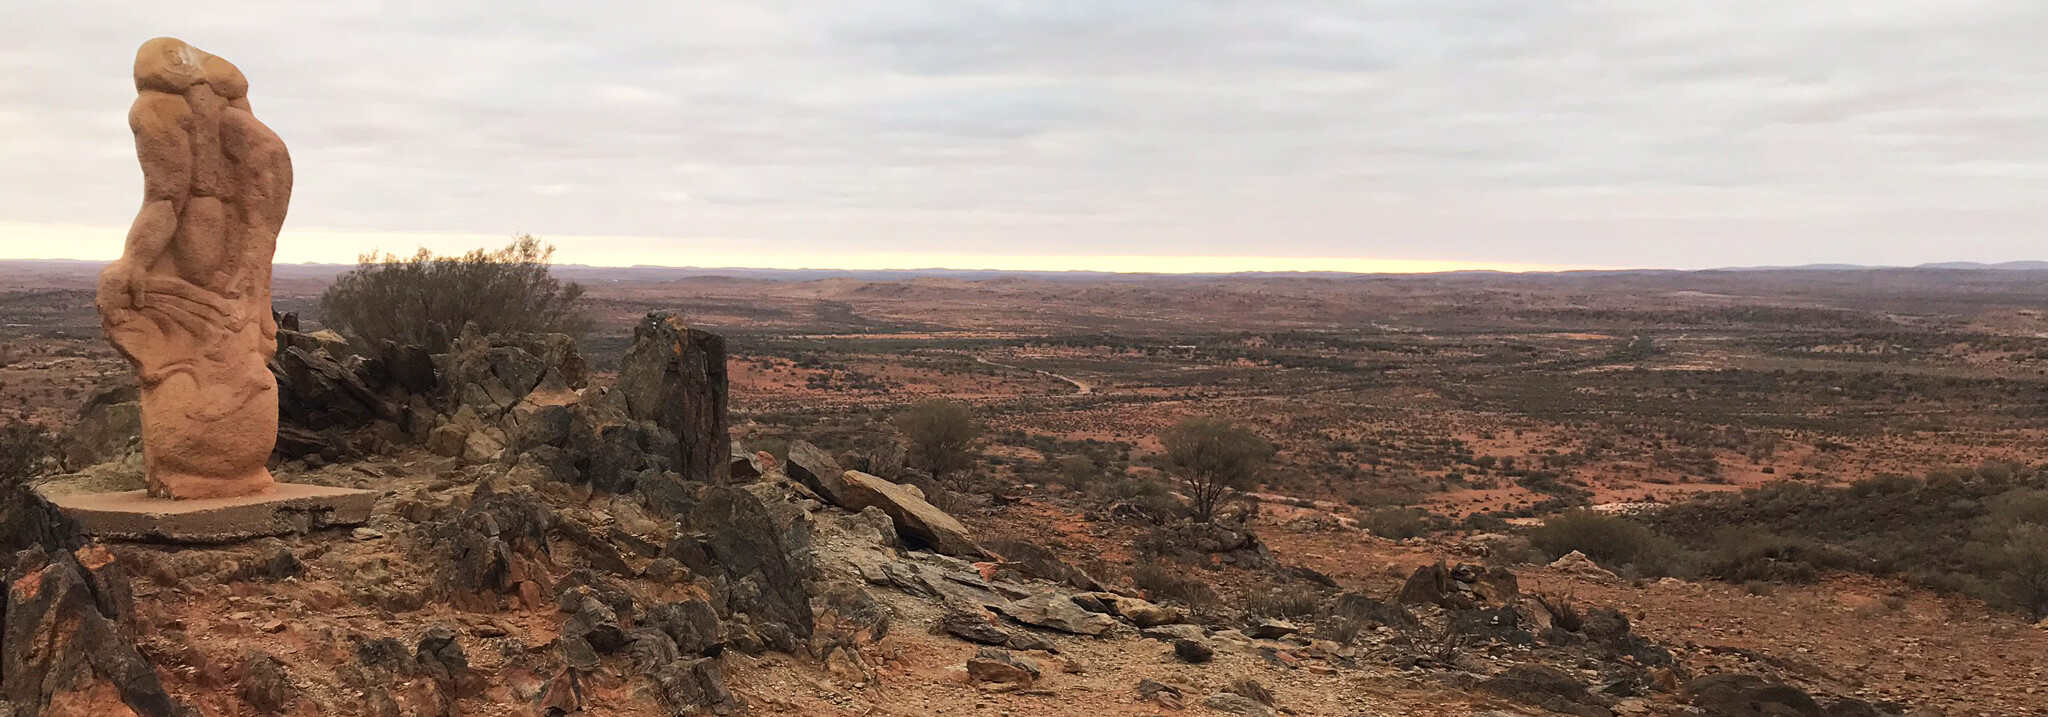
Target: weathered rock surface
(819, 471)
(742, 538)
(1056, 610)
(675, 377)
(915, 518)
(62, 652)
(1000, 666)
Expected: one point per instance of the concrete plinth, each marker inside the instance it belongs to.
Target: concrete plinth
(291, 508)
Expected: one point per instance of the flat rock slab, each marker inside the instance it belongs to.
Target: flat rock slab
(292, 508)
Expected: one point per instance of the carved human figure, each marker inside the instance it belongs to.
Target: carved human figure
(188, 303)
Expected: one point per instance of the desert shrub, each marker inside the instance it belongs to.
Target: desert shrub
(23, 450)
(1214, 459)
(941, 434)
(1616, 543)
(1564, 611)
(1164, 584)
(1741, 555)
(1284, 601)
(426, 300)
(1400, 523)
(1148, 497)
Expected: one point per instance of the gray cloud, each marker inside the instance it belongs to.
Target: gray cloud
(1604, 132)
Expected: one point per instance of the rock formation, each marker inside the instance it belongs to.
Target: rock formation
(188, 302)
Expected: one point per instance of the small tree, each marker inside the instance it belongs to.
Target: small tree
(941, 434)
(1213, 459)
(23, 447)
(426, 300)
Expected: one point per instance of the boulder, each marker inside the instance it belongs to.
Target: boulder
(1144, 613)
(817, 470)
(1056, 610)
(915, 518)
(1000, 666)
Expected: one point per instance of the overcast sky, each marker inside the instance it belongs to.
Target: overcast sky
(1046, 133)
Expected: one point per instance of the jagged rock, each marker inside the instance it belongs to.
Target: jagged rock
(675, 377)
(972, 626)
(999, 666)
(1160, 693)
(1491, 625)
(692, 624)
(597, 624)
(265, 685)
(62, 653)
(1546, 687)
(817, 470)
(448, 440)
(1028, 641)
(440, 657)
(1461, 588)
(1237, 704)
(691, 684)
(914, 517)
(743, 540)
(1193, 651)
(489, 550)
(1056, 610)
(1743, 695)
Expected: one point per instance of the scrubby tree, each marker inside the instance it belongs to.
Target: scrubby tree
(941, 434)
(426, 300)
(23, 447)
(1213, 459)
(2012, 550)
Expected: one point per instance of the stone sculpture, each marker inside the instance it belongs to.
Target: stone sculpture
(188, 303)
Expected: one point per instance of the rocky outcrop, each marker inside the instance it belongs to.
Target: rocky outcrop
(1549, 688)
(994, 665)
(1057, 610)
(1461, 588)
(62, 648)
(737, 533)
(674, 376)
(915, 518)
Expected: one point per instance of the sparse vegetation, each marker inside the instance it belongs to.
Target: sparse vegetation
(426, 300)
(941, 434)
(1213, 459)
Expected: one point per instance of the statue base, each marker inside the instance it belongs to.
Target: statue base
(290, 509)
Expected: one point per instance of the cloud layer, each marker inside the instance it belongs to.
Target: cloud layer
(1596, 132)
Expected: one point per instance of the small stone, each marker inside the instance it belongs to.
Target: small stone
(1272, 630)
(999, 666)
(366, 534)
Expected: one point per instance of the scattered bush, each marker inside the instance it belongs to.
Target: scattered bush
(426, 300)
(1164, 584)
(941, 434)
(1400, 523)
(1284, 601)
(1213, 459)
(23, 449)
(1614, 542)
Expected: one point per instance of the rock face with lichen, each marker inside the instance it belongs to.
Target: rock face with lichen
(674, 376)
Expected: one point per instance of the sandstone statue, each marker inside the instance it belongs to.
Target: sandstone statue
(188, 303)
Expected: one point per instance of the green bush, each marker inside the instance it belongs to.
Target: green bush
(1400, 523)
(426, 300)
(1616, 543)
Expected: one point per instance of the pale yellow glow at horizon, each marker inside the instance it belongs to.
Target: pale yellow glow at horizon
(333, 246)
